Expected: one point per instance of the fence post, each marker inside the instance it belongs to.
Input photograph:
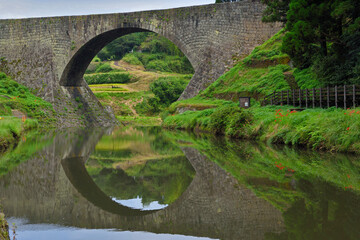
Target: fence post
(336, 97)
(320, 97)
(345, 97)
(288, 97)
(300, 97)
(328, 96)
(293, 92)
(313, 97)
(354, 96)
(306, 97)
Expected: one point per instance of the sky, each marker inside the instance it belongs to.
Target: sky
(45, 8)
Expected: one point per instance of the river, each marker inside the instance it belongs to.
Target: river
(149, 183)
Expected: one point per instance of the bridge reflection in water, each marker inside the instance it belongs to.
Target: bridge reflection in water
(55, 188)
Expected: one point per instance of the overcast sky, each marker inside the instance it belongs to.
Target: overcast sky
(45, 8)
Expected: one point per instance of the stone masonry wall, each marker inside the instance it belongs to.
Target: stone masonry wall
(50, 55)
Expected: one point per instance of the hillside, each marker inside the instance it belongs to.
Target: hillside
(265, 70)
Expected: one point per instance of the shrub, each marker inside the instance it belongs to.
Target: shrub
(168, 90)
(132, 59)
(103, 68)
(113, 77)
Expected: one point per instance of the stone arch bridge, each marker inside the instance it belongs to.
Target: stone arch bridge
(50, 55)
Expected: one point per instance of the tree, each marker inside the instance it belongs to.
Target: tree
(276, 10)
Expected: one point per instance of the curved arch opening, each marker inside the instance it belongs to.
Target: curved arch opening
(130, 79)
(140, 169)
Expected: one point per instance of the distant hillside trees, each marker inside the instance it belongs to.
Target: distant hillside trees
(151, 50)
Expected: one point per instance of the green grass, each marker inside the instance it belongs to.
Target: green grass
(269, 51)
(109, 90)
(139, 120)
(110, 77)
(331, 129)
(16, 96)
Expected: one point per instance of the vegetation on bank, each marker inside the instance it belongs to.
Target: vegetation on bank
(265, 70)
(30, 111)
(329, 129)
(4, 227)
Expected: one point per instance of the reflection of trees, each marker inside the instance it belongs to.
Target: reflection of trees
(326, 212)
(313, 198)
(156, 180)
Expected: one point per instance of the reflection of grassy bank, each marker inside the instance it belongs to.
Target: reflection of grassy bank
(318, 193)
(25, 149)
(270, 168)
(140, 162)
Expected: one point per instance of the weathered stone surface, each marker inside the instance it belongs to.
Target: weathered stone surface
(50, 55)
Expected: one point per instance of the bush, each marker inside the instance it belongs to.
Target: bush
(113, 77)
(149, 106)
(229, 119)
(132, 59)
(168, 90)
(103, 68)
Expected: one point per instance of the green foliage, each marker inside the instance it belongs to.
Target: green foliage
(306, 78)
(227, 119)
(149, 106)
(103, 68)
(161, 62)
(255, 82)
(166, 91)
(132, 59)
(275, 11)
(150, 50)
(17, 96)
(118, 48)
(269, 50)
(111, 77)
(325, 35)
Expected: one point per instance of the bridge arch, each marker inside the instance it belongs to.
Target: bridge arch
(77, 65)
(50, 55)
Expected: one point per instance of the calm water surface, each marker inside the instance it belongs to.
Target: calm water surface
(148, 183)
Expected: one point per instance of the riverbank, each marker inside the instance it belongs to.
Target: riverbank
(216, 109)
(20, 111)
(331, 129)
(4, 228)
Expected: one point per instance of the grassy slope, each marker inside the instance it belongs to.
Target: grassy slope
(257, 75)
(124, 97)
(14, 96)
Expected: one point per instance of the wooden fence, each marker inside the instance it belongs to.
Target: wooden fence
(339, 96)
